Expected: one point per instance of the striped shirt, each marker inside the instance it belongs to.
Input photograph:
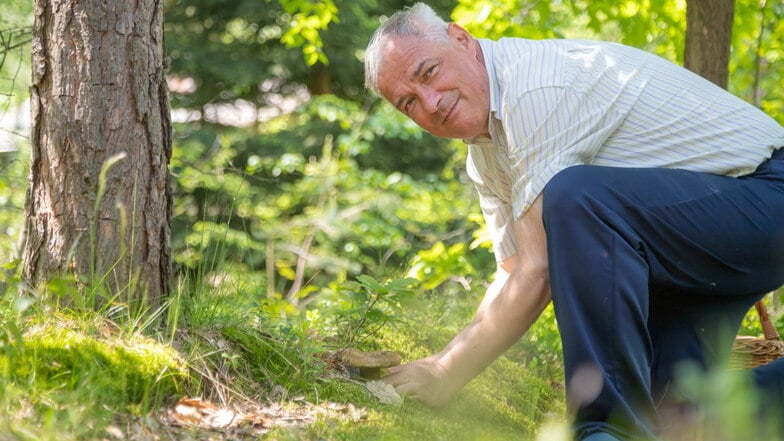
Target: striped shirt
(559, 103)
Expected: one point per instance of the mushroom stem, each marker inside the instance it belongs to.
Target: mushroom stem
(370, 373)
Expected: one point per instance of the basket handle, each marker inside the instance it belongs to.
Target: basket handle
(767, 324)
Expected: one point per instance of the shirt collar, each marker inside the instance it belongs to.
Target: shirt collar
(487, 53)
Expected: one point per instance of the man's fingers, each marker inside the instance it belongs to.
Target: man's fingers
(397, 374)
(407, 389)
(402, 383)
(395, 379)
(396, 369)
(414, 380)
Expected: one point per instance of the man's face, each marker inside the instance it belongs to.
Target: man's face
(440, 85)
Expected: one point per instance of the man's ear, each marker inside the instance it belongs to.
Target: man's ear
(457, 33)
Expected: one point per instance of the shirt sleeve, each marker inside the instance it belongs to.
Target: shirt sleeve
(496, 211)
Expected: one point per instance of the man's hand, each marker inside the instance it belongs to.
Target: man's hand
(424, 380)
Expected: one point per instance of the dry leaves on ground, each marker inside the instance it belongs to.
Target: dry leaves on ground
(256, 419)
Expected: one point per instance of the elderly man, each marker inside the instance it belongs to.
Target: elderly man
(645, 201)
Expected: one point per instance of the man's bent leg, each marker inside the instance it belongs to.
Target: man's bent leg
(612, 233)
(687, 328)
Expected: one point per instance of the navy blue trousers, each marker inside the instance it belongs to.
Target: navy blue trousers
(650, 268)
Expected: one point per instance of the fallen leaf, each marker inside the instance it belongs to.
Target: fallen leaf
(221, 418)
(384, 392)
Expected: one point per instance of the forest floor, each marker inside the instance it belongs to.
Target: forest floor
(498, 405)
(66, 377)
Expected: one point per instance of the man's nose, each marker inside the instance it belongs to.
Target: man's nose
(431, 99)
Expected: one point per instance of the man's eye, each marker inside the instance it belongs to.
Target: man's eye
(408, 105)
(429, 72)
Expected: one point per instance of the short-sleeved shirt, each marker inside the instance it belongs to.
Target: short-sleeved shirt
(559, 103)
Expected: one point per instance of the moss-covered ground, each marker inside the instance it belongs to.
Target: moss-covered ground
(78, 376)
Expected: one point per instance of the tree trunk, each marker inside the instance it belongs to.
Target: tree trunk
(709, 38)
(319, 81)
(99, 94)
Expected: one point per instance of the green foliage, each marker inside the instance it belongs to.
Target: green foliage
(307, 19)
(295, 203)
(541, 345)
(355, 311)
(237, 347)
(16, 21)
(440, 264)
(512, 18)
(15, 35)
(757, 61)
(12, 344)
(241, 40)
(13, 166)
(655, 26)
(731, 406)
(131, 371)
(16, 13)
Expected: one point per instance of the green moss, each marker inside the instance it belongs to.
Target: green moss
(121, 370)
(68, 378)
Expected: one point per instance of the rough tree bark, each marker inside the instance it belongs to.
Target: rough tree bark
(709, 38)
(99, 91)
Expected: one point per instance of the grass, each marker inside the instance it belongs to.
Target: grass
(81, 375)
(67, 378)
(70, 374)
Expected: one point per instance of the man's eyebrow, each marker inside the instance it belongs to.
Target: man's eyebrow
(418, 69)
(413, 76)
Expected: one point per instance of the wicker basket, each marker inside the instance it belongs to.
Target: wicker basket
(749, 352)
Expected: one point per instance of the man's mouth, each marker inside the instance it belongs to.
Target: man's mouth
(451, 109)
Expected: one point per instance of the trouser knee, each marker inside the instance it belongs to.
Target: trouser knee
(569, 192)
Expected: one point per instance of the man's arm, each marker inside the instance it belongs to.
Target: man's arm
(500, 321)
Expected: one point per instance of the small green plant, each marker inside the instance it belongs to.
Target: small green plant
(354, 311)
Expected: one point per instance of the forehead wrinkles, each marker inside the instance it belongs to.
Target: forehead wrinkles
(404, 57)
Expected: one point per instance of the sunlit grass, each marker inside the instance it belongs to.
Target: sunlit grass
(73, 374)
(67, 376)
(76, 375)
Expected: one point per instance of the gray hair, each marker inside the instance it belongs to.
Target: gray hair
(419, 21)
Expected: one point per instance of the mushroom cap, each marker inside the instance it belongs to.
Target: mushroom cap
(376, 359)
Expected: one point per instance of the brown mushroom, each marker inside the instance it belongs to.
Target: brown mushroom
(368, 363)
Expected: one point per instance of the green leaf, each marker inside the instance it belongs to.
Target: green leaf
(370, 283)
